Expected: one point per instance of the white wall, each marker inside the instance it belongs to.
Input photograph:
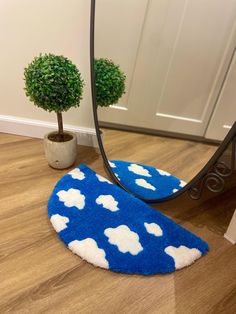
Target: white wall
(29, 27)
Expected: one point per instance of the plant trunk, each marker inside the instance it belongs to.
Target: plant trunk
(60, 126)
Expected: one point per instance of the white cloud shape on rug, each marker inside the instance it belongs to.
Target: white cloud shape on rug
(112, 165)
(144, 184)
(89, 250)
(125, 239)
(175, 190)
(163, 173)
(59, 222)
(102, 179)
(71, 198)
(117, 176)
(183, 256)
(108, 202)
(77, 174)
(139, 170)
(154, 229)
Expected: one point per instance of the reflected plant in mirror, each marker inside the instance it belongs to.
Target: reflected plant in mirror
(110, 82)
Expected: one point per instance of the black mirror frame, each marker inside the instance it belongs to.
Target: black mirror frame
(212, 175)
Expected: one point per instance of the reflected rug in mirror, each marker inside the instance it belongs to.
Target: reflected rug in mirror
(146, 181)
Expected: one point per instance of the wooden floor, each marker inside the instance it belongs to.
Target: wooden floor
(39, 275)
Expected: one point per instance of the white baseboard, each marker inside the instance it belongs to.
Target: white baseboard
(38, 128)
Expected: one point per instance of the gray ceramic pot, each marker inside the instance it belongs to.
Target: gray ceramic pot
(60, 155)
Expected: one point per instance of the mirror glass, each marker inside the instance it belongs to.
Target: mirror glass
(155, 87)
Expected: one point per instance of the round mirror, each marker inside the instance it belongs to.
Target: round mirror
(156, 91)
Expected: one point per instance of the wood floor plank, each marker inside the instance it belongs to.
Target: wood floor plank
(39, 275)
(9, 138)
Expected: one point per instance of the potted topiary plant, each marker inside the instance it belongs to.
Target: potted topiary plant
(54, 83)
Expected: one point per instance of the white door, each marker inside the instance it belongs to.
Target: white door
(225, 112)
(173, 53)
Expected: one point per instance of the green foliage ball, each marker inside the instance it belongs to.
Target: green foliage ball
(110, 82)
(53, 83)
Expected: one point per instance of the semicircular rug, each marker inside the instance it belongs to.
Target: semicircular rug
(146, 181)
(109, 228)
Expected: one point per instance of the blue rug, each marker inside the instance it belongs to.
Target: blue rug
(109, 228)
(146, 181)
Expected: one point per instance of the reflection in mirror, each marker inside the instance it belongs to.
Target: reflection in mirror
(155, 69)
